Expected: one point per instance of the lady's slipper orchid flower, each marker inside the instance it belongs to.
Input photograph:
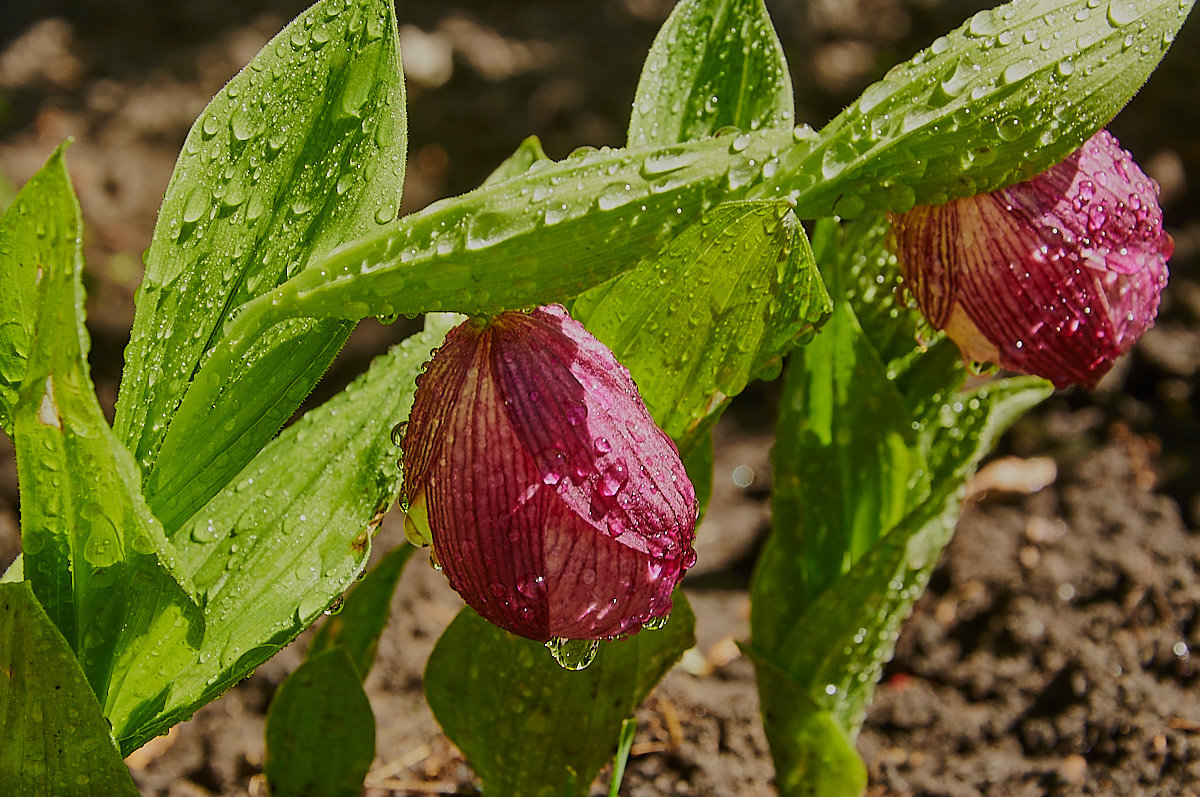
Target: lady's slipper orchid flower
(555, 506)
(1057, 276)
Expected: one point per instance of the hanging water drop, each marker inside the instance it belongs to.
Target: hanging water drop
(656, 623)
(573, 654)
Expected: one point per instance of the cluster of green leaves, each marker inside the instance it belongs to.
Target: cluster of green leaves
(166, 557)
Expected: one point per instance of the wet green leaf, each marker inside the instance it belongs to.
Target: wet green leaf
(1006, 96)
(302, 151)
(40, 224)
(96, 557)
(563, 724)
(725, 299)
(714, 64)
(56, 741)
(291, 532)
(320, 730)
(874, 445)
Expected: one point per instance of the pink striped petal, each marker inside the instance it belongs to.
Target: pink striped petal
(1057, 276)
(555, 505)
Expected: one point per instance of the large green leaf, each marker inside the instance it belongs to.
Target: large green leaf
(320, 730)
(714, 64)
(301, 151)
(527, 726)
(56, 742)
(278, 545)
(97, 559)
(1007, 95)
(873, 448)
(725, 299)
(40, 224)
(562, 228)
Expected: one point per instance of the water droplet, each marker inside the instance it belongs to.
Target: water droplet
(573, 654)
(197, 205)
(244, 124)
(336, 606)
(398, 432)
(656, 623)
(615, 477)
(1121, 12)
(1010, 128)
(553, 465)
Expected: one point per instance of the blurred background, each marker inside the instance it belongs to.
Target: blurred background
(1053, 653)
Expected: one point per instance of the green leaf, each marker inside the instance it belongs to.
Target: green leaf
(302, 151)
(15, 571)
(320, 730)
(278, 545)
(838, 642)
(56, 741)
(1006, 96)
(846, 465)
(714, 64)
(526, 725)
(873, 448)
(364, 614)
(40, 224)
(96, 557)
(699, 466)
(540, 237)
(528, 153)
(814, 755)
(624, 745)
(726, 298)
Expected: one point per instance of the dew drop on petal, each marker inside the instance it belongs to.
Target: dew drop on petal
(573, 654)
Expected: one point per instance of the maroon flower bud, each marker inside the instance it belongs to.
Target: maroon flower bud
(555, 506)
(1057, 276)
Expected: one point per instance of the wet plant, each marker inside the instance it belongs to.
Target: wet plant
(166, 557)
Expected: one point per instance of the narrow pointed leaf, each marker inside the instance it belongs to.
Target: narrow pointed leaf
(320, 730)
(814, 755)
(278, 545)
(714, 64)
(624, 745)
(40, 224)
(364, 614)
(56, 741)
(564, 725)
(874, 446)
(302, 150)
(528, 153)
(727, 297)
(1007, 95)
(846, 465)
(851, 628)
(96, 557)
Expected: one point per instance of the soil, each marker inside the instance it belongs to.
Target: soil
(1053, 651)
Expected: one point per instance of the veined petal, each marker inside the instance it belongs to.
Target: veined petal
(1057, 276)
(555, 505)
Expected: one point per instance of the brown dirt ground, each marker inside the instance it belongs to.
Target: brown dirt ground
(1052, 653)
